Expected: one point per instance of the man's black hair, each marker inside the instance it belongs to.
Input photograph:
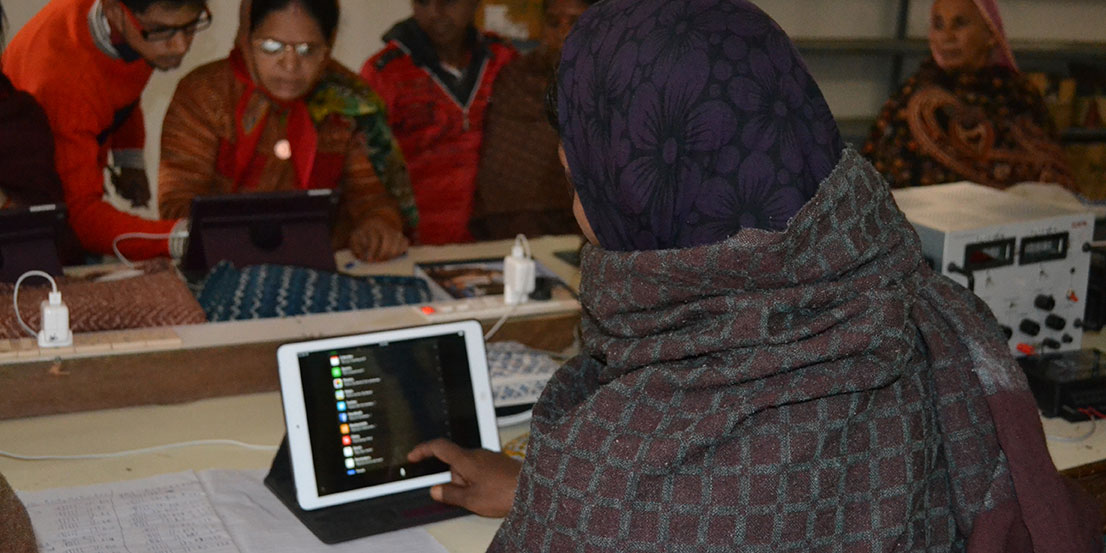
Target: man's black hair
(324, 12)
(140, 6)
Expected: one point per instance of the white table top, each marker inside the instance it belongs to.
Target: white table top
(255, 419)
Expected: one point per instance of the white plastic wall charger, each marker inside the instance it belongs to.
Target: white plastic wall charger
(55, 331)
(518, 276)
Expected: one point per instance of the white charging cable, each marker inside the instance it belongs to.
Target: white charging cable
(1074, 439)
(55, 315)
(142, 451)
(133, 236)
(498, 324)
(176, 241)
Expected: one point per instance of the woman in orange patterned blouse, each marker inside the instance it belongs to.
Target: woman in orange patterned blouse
(967, 114)
(280, 114)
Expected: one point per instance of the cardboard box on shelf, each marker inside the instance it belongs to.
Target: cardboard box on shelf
(1059, 96)
(513, 19)
(1088, 164)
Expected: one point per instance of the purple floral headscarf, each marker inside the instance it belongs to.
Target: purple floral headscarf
(686, 121)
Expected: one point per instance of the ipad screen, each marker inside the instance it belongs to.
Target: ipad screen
(368, 406)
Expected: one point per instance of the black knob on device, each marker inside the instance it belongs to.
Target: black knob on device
(1050, 343)
(1055, 322)
(1045, 302)
(1067, 339)
(1007, 331)
(1029, 327)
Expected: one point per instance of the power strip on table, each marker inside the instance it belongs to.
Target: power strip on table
(490, 307)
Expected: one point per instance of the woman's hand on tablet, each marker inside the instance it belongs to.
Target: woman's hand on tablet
(484, 481)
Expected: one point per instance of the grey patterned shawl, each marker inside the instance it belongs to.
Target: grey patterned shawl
(817, 389)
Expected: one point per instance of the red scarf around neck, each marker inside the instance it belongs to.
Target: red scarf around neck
(302, 136)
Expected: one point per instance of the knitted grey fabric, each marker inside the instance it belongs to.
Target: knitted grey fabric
(817, 389)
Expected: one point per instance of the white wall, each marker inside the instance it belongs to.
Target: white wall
(854, 86)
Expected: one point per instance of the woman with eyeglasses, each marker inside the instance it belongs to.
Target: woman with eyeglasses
(280, 114)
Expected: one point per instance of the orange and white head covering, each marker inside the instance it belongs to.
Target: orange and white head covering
(1001, 54)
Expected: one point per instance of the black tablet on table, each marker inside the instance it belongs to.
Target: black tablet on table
(282, 228)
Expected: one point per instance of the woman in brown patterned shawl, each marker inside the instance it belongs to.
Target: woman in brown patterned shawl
(521, 186)
(967, 114)
(767, 362)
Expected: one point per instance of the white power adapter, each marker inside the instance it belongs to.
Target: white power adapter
(518, 273)
(55, 323)
(55, 331)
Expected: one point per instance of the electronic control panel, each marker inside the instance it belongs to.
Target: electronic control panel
(1026, 260)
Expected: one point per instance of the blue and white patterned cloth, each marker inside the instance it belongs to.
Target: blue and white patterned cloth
(264, 291)
(518, 373)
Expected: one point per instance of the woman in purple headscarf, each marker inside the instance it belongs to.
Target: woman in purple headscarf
(767, 363)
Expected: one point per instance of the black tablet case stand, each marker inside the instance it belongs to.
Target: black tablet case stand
(29, 240)
(359, 519)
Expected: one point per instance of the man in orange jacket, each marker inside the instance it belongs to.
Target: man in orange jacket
(435, 75)
(87, 62)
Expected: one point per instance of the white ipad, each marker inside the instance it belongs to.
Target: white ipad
(356, 405)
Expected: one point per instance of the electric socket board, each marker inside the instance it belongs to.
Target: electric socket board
(490, 308)
(1026, 260)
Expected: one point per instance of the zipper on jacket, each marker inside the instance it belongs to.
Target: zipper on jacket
(465, 125)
